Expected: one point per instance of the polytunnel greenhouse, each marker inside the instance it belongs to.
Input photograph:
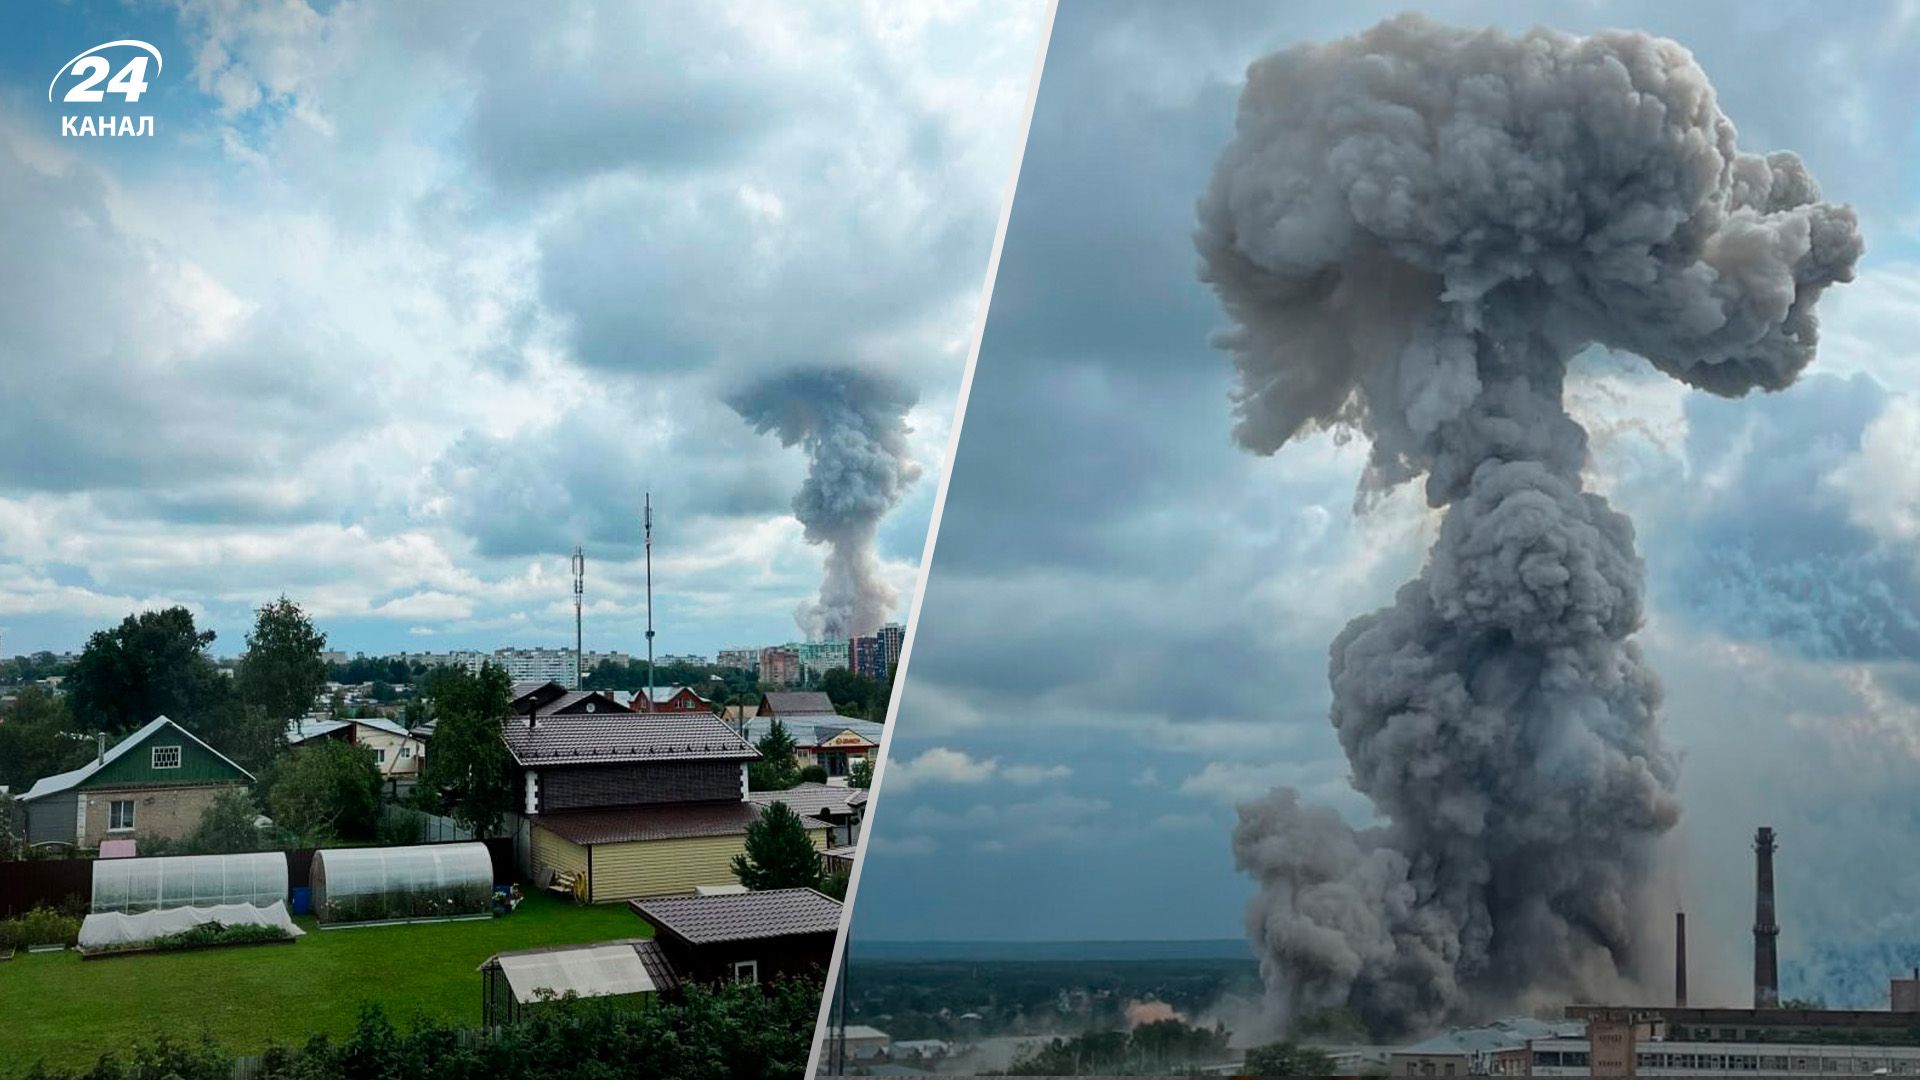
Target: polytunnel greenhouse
(429, 881)
(189, 881)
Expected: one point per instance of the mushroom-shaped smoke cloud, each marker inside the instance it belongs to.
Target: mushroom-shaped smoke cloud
(1413, 231)
(852, 422)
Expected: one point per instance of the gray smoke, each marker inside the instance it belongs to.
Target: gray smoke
(852, 423)
(1413, 231)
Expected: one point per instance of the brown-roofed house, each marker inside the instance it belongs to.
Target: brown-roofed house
(632, 804)
(786, 704)
(751, 936)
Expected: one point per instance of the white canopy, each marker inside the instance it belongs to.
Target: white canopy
(108, 929)
(588, 971)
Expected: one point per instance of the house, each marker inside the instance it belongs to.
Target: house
(156, 783)
(751, 937)
(625, 804)
(399, 753)
(840, 807)
(672, 699)
(537, 698)
(835, 743)
(514, 982)
(787, 704)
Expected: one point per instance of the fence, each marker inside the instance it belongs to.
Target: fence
(432, 828)
(55, 882)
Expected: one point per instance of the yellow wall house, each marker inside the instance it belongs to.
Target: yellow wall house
(634, 804)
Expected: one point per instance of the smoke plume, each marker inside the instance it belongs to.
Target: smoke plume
(852, 423)
(1413, 231)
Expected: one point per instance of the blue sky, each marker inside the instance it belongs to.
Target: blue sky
(402, 302)
(1126, 624)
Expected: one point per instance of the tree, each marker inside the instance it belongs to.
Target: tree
(36, 739)
(226, 828)
(779, 853)
(1287, 1059)
(281, 672)
(327, 791)
(469, 772)
(152, 664)
(776, 770)
(861, 775)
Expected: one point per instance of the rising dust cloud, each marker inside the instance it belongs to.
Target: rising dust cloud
(1413, 231)
(852, 424)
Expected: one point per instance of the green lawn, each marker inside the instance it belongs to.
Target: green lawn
(66, 1010)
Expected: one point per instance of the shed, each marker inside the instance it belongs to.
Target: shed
(753, 937)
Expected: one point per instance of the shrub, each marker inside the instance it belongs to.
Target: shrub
(813, 774)
(41, 926)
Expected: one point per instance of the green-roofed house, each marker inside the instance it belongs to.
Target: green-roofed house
(156, 782)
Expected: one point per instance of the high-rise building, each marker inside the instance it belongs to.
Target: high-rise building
(779, 665)
(819, 657)
(866, 656)
(892, 636)
(744, 659)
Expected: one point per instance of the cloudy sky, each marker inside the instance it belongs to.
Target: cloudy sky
(1127, 620)
(401, 303)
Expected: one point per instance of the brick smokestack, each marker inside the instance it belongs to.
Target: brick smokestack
(1766, 959)
(1679, 959)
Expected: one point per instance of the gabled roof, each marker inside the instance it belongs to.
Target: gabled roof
(609, 738)
(664, 694)
(582, 702)
(299, 731)
(795, 702)
(704, 920)
(810, 798)
(67, 781)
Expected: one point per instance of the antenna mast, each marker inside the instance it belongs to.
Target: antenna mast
(649, 528)
(579, 588)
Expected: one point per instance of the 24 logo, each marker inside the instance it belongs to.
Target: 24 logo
(89, 70)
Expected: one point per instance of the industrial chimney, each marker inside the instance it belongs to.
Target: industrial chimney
(1679, 959)
(1766, 959)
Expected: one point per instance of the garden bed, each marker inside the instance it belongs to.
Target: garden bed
(208, 936)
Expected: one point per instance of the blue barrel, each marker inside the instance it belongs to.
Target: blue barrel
(303, 900)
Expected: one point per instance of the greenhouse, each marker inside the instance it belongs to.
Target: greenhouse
(402, 884)
(188, 881)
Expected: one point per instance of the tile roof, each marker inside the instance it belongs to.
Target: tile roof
(809, 798)
(624, 737)
(673, 821)
(794, 702)
(48, 785)
(704, 920)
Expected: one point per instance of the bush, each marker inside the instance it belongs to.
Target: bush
(41, 926)
(735, 1032)
(813, 774)
(204, 936)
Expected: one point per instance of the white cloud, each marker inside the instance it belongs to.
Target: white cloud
(944, 765)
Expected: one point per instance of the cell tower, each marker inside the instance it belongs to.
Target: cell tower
(579, 590)
(649, 530)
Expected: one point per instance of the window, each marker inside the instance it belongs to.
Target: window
(406, 751)
(747, 971)
(379, 756)
(166, 757)
(120, 816)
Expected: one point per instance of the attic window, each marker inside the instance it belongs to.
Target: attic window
(166, 757)
(589, 706)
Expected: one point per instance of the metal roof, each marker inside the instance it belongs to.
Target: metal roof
(66, 781)
(1511, 1034)
(600, 738)
(814, 727)
(704, 920)
(307, 727)
(667, 822)
(809, 798)
(796, 702)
